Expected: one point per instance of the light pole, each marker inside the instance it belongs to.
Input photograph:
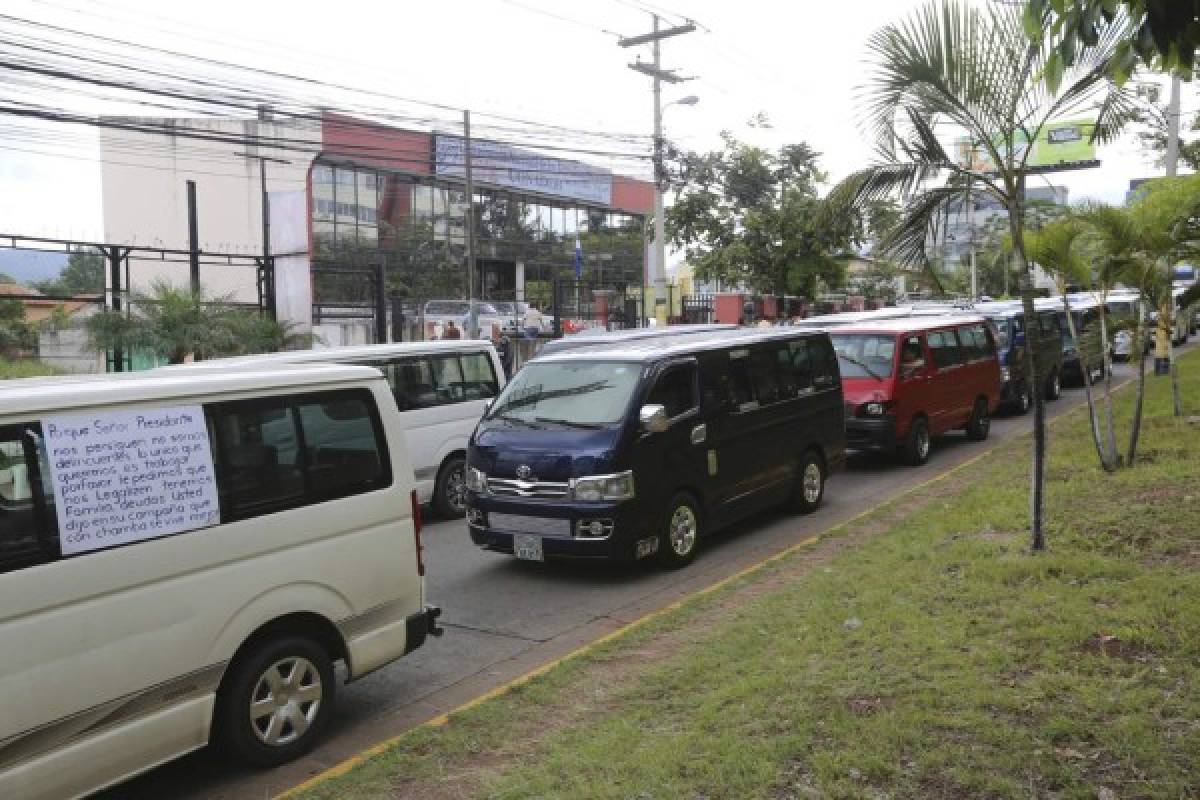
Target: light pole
(660, 181)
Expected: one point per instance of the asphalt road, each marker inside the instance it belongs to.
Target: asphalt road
(504, 617)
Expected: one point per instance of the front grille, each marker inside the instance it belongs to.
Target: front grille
(509, 487)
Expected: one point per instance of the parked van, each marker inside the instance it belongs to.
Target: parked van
(441, 388)
(602, 338)
(909, 379)
(1008, 323)
(640, 449)
(183, 557)
(1085, 315)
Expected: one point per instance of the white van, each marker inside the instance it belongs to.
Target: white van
(442, 389)
(184, 556)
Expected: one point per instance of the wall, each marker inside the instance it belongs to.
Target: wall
(144, 192)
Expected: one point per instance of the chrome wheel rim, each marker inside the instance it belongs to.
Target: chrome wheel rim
(812, 483)
(683, 530)
(456, 489)
(923, 442)
(1055, 386)
(285, 701)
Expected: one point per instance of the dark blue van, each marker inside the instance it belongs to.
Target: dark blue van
(639, 449)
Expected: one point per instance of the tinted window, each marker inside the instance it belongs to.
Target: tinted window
(24, 538)
(763, 375)
(739, 387)
(675, 390)
(412, 384)
(479, 377)
(825, 362)
(974, 341)
(795, 367)
(447, 379)
(285, 452)
(425, 381)
(944, 346)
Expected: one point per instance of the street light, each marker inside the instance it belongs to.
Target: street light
(660, 244)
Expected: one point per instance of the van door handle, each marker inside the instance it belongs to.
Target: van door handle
(699, 434)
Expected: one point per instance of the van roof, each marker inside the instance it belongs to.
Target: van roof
(656, 348)
(598, 337)
(327, 355)
(34, 395)
(909, 324)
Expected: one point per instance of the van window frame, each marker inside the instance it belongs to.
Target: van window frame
(670, 366)
(957, 349)
(390, 365)
(45, 546)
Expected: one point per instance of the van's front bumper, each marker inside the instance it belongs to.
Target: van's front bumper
(871, 433)
(630, 522)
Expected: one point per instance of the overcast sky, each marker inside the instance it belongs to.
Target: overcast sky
(798, 62)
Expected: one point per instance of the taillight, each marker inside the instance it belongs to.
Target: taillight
(416, 518)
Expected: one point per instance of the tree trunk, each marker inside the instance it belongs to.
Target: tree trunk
(1086, 369)
(1114, 456)
(1037, 496)
(1135, 426)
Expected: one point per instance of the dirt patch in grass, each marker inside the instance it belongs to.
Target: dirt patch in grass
(1104, 644)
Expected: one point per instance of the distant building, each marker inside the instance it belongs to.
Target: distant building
(349, 193)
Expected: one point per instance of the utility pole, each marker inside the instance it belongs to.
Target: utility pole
(1173, 128)
(971, 242)
(268, 264)
(659, 75)
(472, 311)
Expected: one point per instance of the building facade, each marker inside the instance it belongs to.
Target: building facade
(348, 197)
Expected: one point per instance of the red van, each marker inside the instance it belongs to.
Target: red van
(906, 380)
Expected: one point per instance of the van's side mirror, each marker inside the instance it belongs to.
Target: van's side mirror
(653, 418)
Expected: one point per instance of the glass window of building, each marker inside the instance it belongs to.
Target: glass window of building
(423, 201)
(322, 189)
(571, 221)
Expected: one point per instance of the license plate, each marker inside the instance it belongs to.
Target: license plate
(527, 546)
(647, 547)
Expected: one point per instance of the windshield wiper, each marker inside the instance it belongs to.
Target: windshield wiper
(511, 418)
(856, 362)
(570, 423)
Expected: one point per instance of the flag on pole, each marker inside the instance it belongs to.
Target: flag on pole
(578, 259)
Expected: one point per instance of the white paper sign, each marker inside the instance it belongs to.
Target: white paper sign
(124, 476)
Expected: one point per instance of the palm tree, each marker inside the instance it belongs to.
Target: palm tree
(1056, 248)
(952, 63)
(177, 324)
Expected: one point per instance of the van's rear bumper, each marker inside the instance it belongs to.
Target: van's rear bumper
(871, 434)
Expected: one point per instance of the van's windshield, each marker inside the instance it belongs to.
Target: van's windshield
(588, 394)
(862, 355)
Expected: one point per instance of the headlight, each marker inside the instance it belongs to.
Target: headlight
(1005, 374)
(476, 480)
(873, 409)
(596, 488)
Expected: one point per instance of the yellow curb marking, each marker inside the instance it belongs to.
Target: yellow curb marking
(442, 719)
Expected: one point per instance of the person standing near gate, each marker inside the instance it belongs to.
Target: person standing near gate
(452, 331)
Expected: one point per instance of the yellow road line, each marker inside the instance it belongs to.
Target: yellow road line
(442, 719)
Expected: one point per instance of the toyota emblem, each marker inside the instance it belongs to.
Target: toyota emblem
(524, 472)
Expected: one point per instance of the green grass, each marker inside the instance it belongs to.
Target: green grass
(24, 369)
(939, 659)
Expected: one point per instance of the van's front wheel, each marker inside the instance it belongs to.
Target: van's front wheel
(915, 449)
(450, 491)
(276, 701)
(677, 543)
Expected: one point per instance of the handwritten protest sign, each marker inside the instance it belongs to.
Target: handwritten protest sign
(123, 476)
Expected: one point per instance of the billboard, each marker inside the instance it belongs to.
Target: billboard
(1064, 144)
(503, 165)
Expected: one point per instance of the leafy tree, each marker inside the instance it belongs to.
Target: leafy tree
(973, 69)
(747, 215)
(15, 333)
(1162, 34)
(83, 274)
(176, 323)
(1153, 126)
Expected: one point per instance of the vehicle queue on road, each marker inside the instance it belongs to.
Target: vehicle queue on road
(290, 485)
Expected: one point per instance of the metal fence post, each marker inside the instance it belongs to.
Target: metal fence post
(381, 306)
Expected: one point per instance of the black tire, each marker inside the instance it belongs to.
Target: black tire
(450, 490)
(299, 664)
(1053, 387)
(980, 423)
(810, 484)
(917, 444)
(676, 549)
(1024, 401)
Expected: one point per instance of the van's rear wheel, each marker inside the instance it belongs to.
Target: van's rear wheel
(276, 701)
(1024, 400)
(1053, 387)
(980, 424)
(678, 541)
(450, 491)
(810, 484)
(917, 444)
